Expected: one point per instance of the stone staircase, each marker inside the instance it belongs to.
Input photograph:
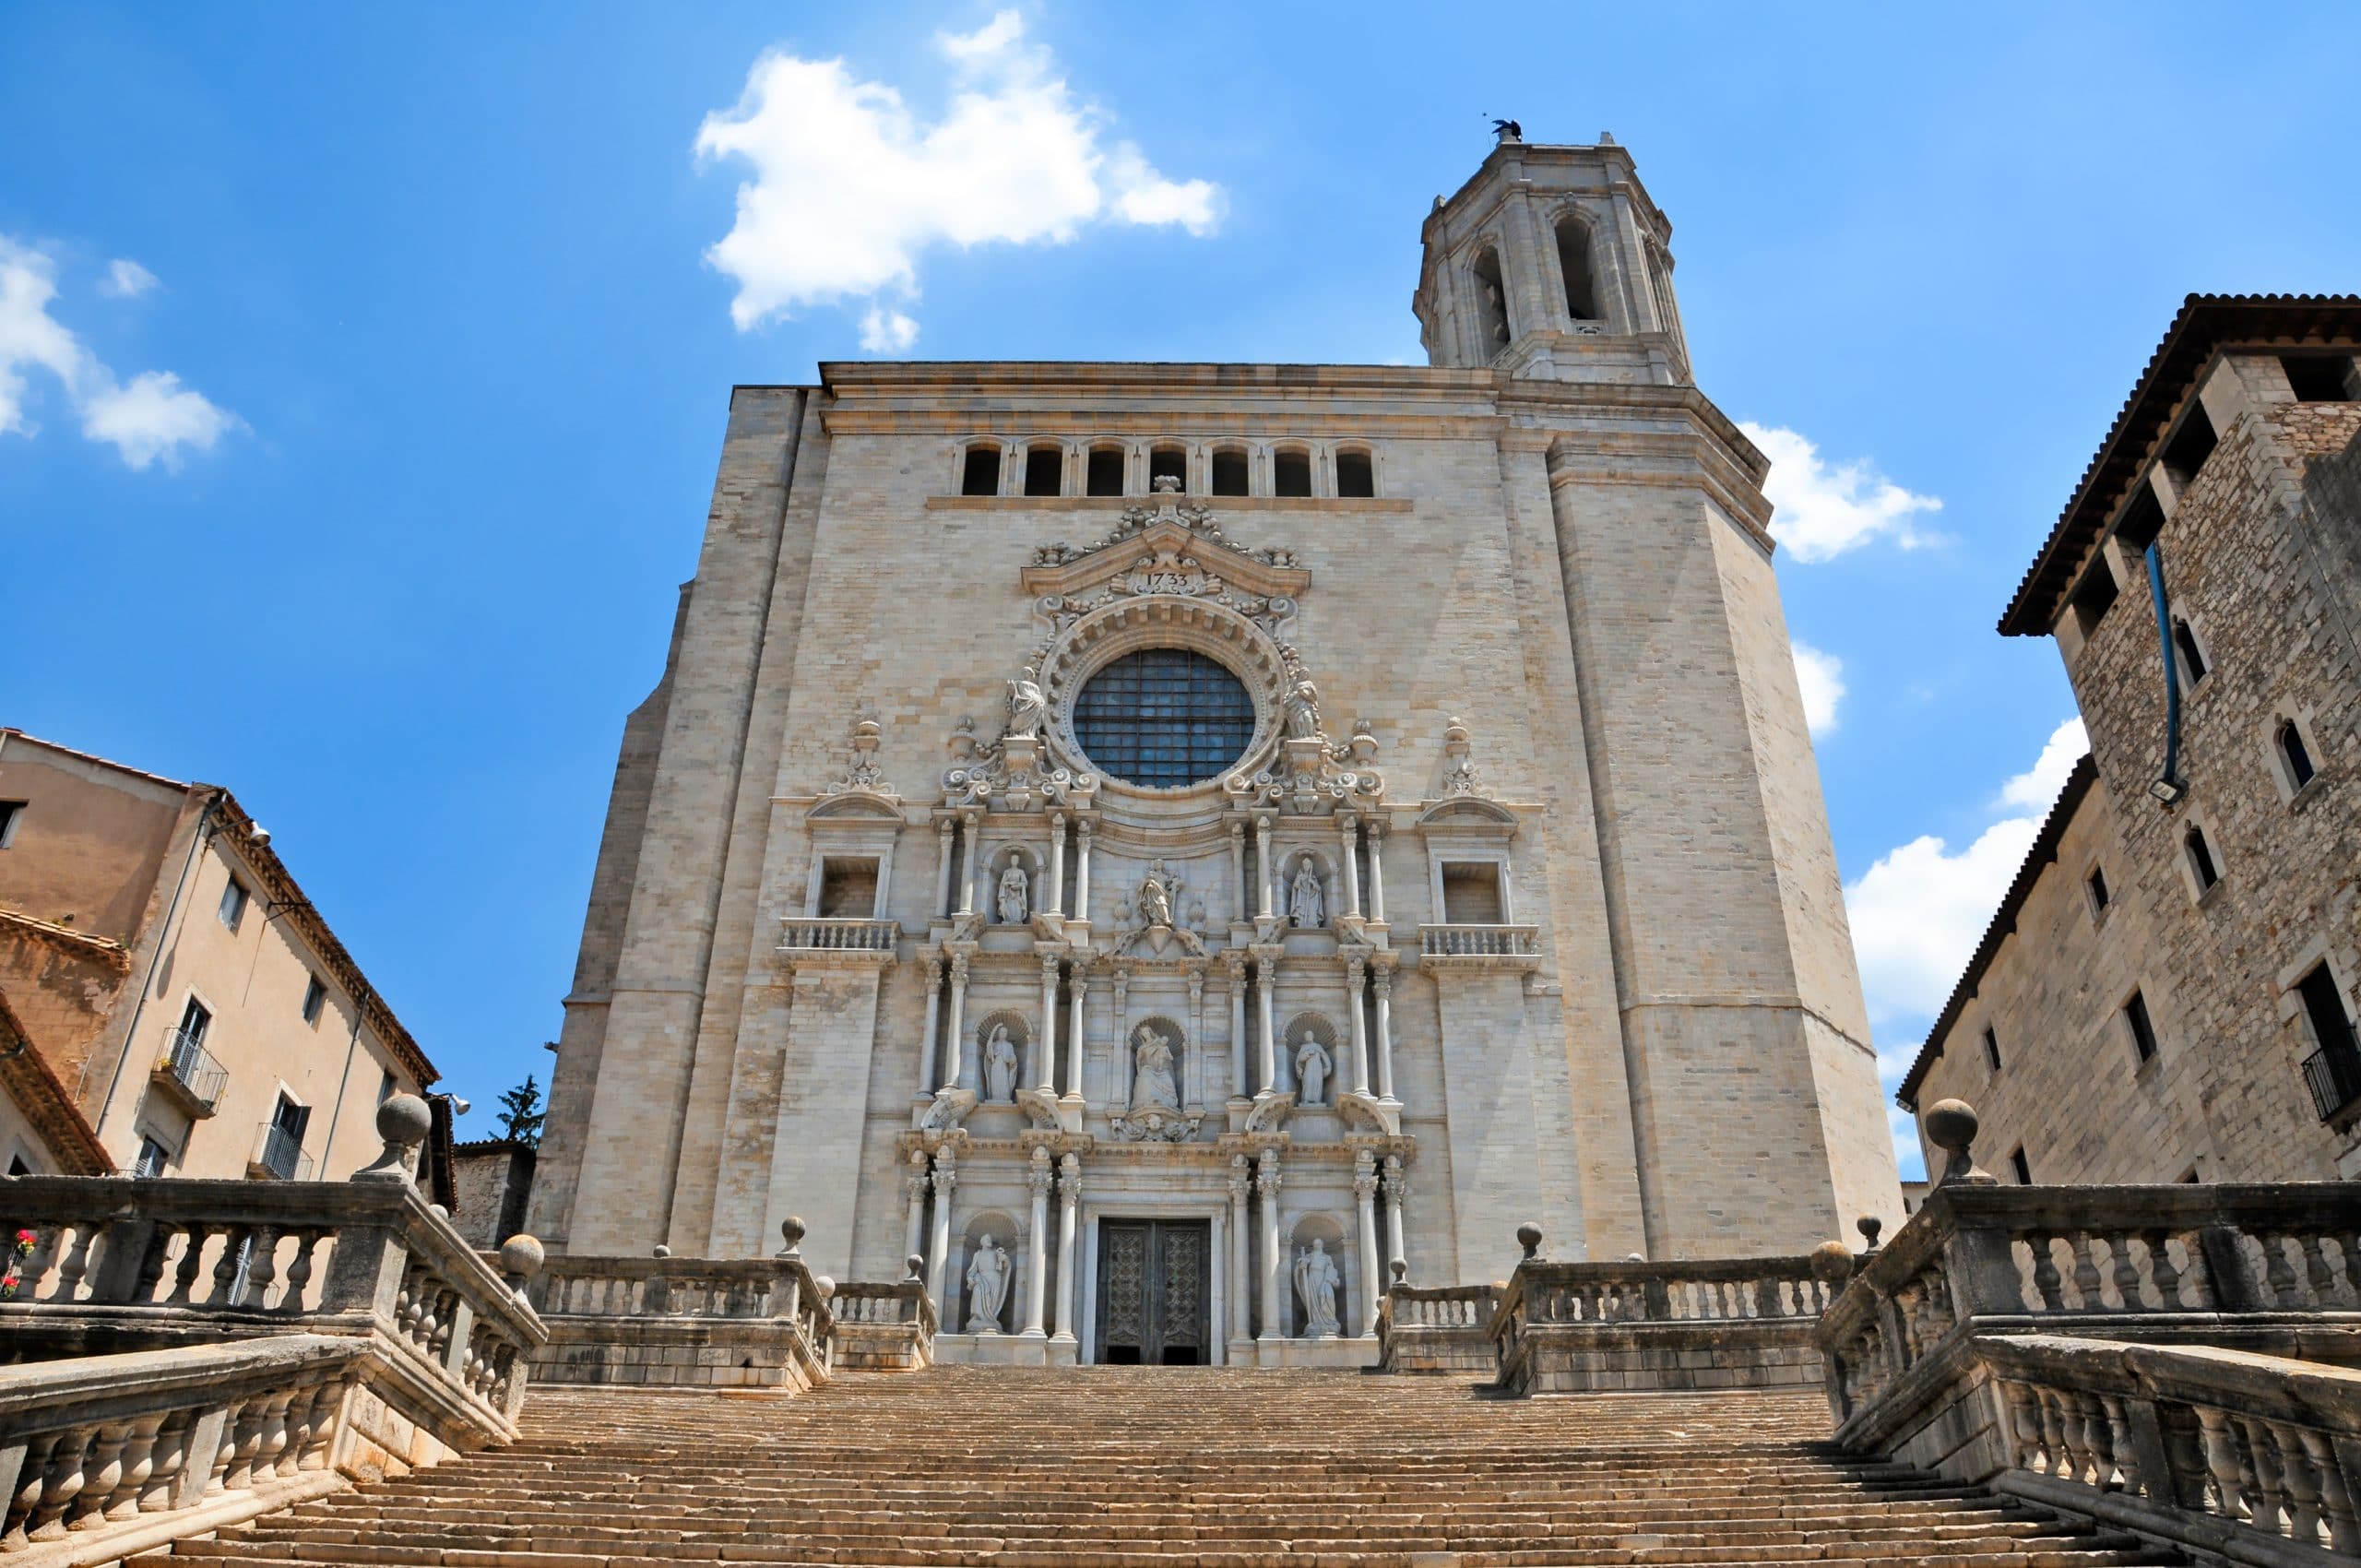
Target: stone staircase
(1160, 1467)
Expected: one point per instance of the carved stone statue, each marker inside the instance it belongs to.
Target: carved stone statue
(1000, 1065)
(1028, 706)
(1156, 902)
(1153, 1083)
(1316, 1285)
(1312, 1065)
(988, 1286)
(1306, 905)
(1015, 894)
(1303, 711)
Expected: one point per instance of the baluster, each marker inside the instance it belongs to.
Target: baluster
(2336, 1494)
(152, 1262)
(2053, 1434)
(262, 1268)
(2188, 1473)
(22, 1503)
(2302, 1482)
(2122, 1450)
(2161, 1269)
(2075, 1429)
(2317, 1273)
(2044, 1273)
(2222, 1462)
(184, 1277)
(2278, 1278)
(77, 1263)
(320, 1433)
(2269, 1498)
(242, 1441)
(225, 1271)
(2098, 1433)
(172, 1457)
(274, 1437)
(138, 1463)
(101, 1473)
(2024, 1427)
(2127, 1273)
(299, 1270)
(2086, 1270)
(61, 1482)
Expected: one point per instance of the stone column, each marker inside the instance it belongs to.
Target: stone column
(1262, 861)
(914, 1205)
(1266, 971)
(1355, 971)
(1376, 869)
(972, 824)
(1083, 831)
(1384, 980)
(946, 1179)
(942, 831)
(957, 1057)
(1266, 1188)
(1234, 966)
(1237, 871)
(1037, 1256)
(1365, 1211)
(1242, 1321)
(1123, 1038)
(1078, 985)
(1053, 897)
(929, 1042)
(1397, 1187)
(1069, 1206)
(1198, 1055)
(1047, 1073)
(1349, 827)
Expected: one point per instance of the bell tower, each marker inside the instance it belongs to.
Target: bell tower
(1551, 262)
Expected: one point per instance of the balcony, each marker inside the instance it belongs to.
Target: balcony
(188, 1075)
(833, 940)
(279, 1155)
(2333, 1074)
(1478, 946)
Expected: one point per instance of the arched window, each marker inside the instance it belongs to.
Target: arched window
(1574, 265)
(1491, 301)
(1290, 471)
(2294, 754)
(2192, 657)
(1104, 473)
(1356, 474)
(1230, 471)
(1168, 460)
(2201, 857)
(1164, 717)
(980, 474)
(1045, 470)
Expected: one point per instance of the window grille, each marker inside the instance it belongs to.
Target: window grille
(1164, 717)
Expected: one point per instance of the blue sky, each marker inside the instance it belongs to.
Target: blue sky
(364, 488)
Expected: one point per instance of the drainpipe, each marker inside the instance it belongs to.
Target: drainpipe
(197, 842)
(2168, 787)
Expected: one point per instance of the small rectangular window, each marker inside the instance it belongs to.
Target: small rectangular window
(1168, 462)
(2294, 756)
(2143, 1032)
(2096, 597)
(2201, 858)
(1104, 475)
(1356, 475)
(980, 473)
(1291, 474)
(153, 1157)
(2021, 1165)
(1471, 894)
(315, 999)
(2319, 378)
(1992, 1049)
(2096, 883)
(385, 1087)
(2325, 1010)
(1045, 470)
(848, 888)
(2142, 520)
(1229, 473)
(11, 812)
(195, 1018)
(234, 899)
(2192, 657)
(2191, 446)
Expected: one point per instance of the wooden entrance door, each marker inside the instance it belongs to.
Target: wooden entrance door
(1152, 1284)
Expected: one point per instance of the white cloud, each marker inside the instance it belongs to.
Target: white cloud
(885, 331)
(1822, 509)
(2035, 790)
(127, 280)
(849, 186)
(151, 420)
(1820, 677)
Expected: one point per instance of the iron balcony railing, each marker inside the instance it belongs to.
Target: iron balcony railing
(279, 1153)
(2333, 1073)
(192, 1068)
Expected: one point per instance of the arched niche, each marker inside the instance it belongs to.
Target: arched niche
(1321, 1028)
(1020, 1041)
(1329, 1232)
(1003, 1229)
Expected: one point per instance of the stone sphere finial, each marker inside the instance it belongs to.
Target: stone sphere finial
(825, 1286)
(916, 1264)
(1832, 1264)
(403, 1122)
(1870, 1225)
(1529, 1236)
(1401, 1272)
(521, 1257)
(1951, 1124)
(790, 1231)
(661, 1250)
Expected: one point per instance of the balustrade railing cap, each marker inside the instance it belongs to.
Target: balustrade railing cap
(403, 1122)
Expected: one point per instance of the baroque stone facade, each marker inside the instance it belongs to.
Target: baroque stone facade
(2169, 988)
(1161, 842)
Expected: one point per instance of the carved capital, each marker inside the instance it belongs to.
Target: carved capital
(1240, 1178)
(959, 970)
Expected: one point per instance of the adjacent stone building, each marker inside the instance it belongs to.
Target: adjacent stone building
(187, 1011)
(1164, 841)
(2167, 993)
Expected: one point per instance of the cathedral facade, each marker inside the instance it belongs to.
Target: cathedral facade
(1161, 846)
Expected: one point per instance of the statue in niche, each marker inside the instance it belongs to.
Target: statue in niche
(1306, 905)
(1303, 711)
(1153, 1083)
(1015, 893)
(1000, 1065)
(1028, 706)
(988, 1286)
(1316, 1285)
(1156, 897)
(1312, 1065)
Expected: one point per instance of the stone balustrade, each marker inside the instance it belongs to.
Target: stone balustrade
(882, 1326)
(1487, 946)
(823, 934)
(1700, 1323)
(738, 1323)
(1444, 1329)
